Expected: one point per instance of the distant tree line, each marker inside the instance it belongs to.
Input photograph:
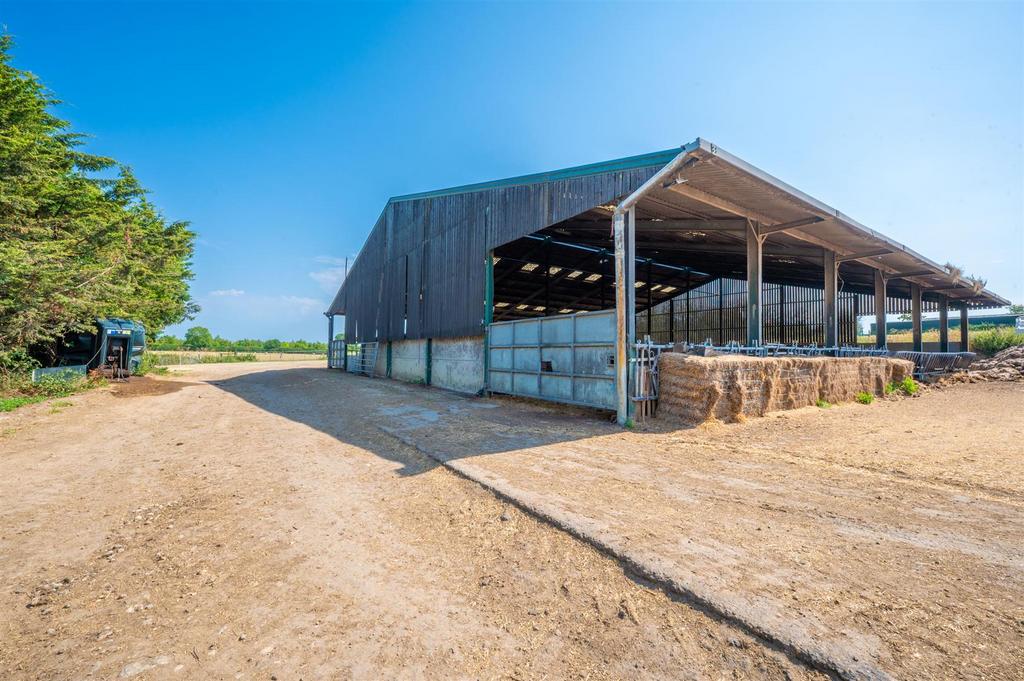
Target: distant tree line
(79, 238)
(200, 338)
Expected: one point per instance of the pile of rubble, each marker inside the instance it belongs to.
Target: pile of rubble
(1005, 365)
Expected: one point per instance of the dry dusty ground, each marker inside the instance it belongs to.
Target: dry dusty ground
(252, 521)
(271, 520)
(884, 540)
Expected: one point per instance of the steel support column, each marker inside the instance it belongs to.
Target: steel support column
(965, 345)
(630, 304)
(631, 276)
(671, 320)
(429, 362)
(650, 297)
(943, 324)
(488, 316)
(831, 299)
(782, 314)
(879, 310)
(624, 230)
(621, 320)
(755, 244)
(330, 338)
(721, 312)
(915, 316)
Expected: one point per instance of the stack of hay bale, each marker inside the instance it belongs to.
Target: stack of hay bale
(731, 387)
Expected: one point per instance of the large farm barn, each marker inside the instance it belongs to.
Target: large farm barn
(541, 285)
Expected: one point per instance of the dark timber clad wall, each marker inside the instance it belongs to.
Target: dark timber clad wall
(423, 263)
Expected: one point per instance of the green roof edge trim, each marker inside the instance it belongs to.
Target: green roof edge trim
(657, 158)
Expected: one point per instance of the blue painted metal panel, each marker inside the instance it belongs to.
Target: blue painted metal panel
(564, 358)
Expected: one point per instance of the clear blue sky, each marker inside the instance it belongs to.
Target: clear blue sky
(280, 130)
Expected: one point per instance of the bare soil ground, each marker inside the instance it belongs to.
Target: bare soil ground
(883, 540)
(253, 521)
(282, 520)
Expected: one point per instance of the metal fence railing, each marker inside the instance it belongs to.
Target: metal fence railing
(364, 359)
(925, 363)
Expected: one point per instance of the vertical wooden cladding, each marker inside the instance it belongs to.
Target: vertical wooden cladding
(421, 272)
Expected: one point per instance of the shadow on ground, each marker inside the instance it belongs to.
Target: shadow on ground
(445, 424)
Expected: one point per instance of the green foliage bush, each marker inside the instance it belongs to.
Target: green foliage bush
(992, 341)
(16, 361)
(149, 365)
(908, 386)
(865, 398)
(824, 404)
(217, 359)
(17, 389)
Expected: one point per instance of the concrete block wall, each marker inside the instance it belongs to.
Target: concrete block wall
(409, 360)
(380, 368)
(458, 363)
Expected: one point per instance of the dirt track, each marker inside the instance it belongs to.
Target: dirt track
(183, 531)
(280, 519)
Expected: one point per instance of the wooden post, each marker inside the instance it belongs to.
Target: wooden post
(755, 245)
(965, 345)
(915, 316)
(880, 341)
(830, 299)
(943, 324)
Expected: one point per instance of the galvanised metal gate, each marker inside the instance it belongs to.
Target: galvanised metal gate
(336, 354)
(565, 358)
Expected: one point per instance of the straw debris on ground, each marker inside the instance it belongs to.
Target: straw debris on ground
(1005, 365)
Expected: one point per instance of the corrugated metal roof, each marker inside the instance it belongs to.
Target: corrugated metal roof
(427, 246)
(627, 163)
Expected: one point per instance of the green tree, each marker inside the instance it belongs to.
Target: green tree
(198, 338)
(76, 245)
(166, 343)
(1017, 309)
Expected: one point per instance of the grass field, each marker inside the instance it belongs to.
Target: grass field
(174, 357)
(985, 340)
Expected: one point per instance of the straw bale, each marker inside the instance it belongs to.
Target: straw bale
(731, 387)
